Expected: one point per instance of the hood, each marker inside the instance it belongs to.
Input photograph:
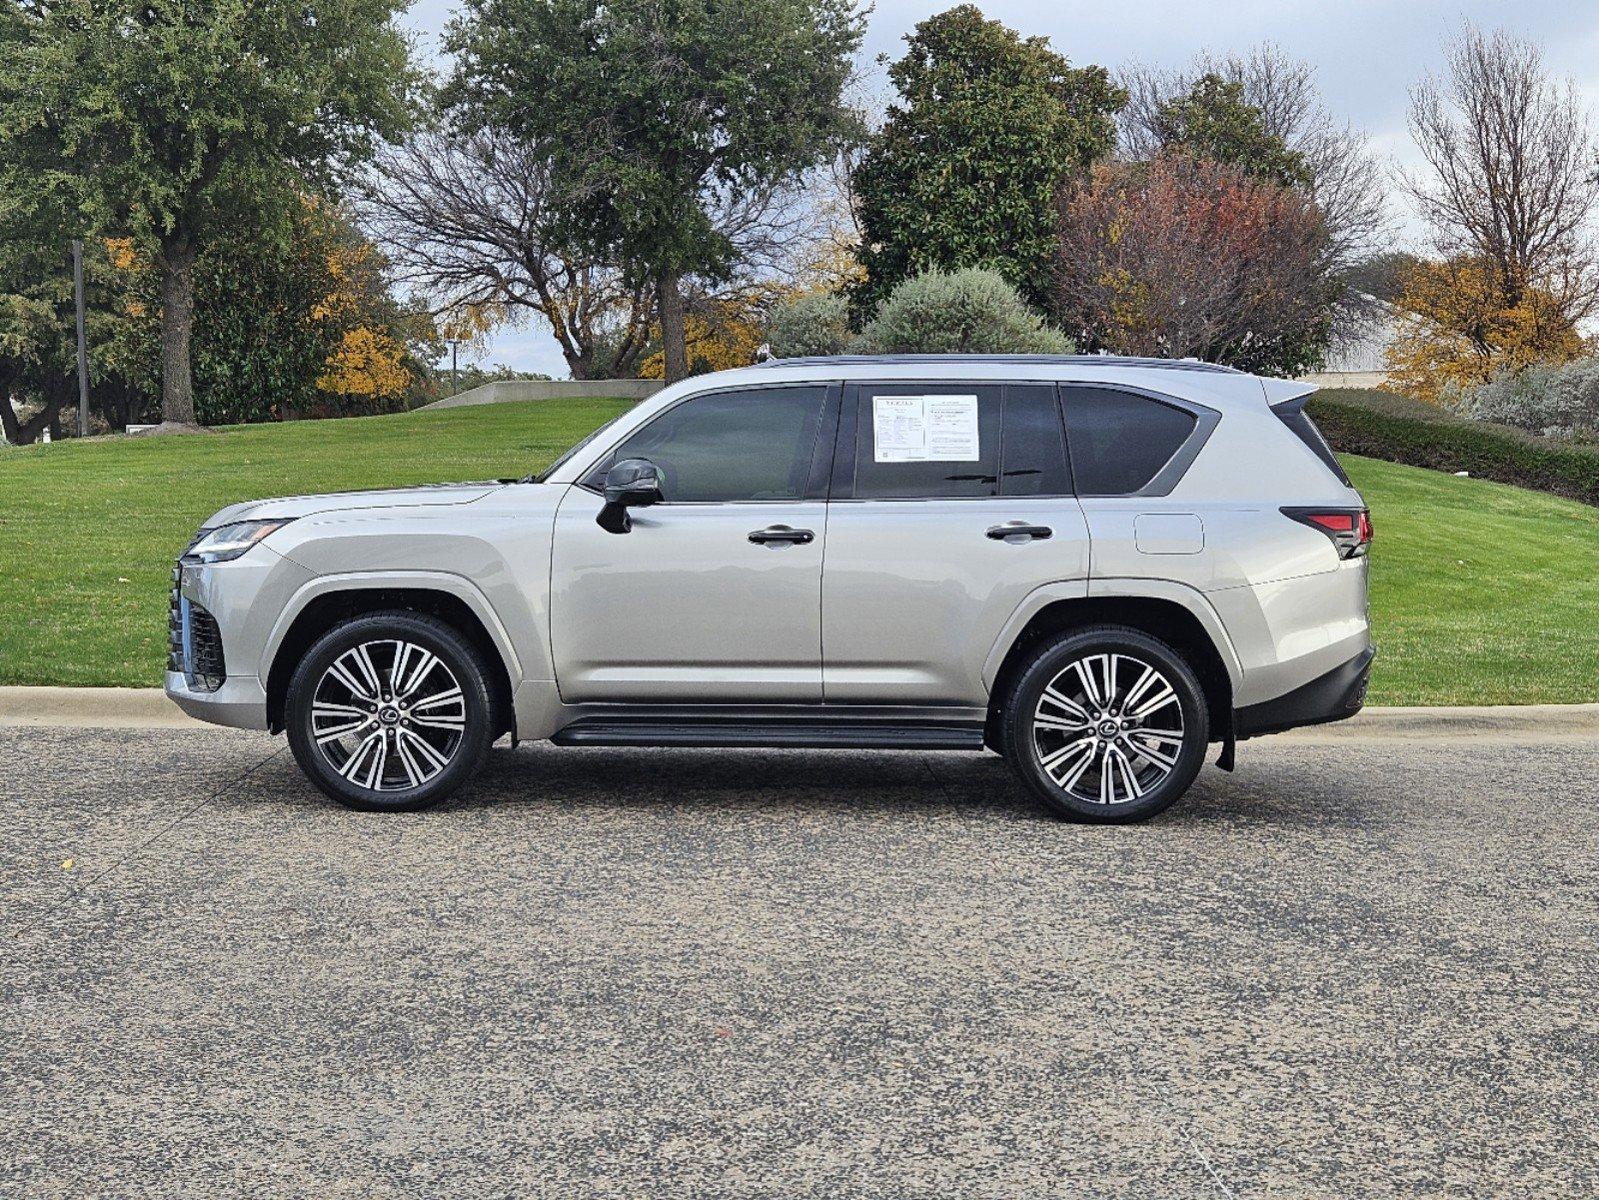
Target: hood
(432, 495)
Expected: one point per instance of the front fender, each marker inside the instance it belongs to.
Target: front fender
(459, 587)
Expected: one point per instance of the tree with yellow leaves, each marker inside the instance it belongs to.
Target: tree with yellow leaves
(1459, 324)
(368, 363)
(721, 333)
(302, 325)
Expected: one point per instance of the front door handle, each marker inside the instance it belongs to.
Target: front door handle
(1019, 529)
(782, 533)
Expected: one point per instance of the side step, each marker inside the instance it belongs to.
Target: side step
(772, 734)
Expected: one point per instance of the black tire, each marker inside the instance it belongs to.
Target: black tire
(1035, 729)
(462, 750)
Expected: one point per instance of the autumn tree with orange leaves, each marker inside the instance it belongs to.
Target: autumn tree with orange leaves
(1511, 198)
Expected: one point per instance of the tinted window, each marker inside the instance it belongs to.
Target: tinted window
(926, 441)
(1119, 441)
(1293, 415)
(749, 445)
(1034, 451)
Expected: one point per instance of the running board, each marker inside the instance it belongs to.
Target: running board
(772, 734)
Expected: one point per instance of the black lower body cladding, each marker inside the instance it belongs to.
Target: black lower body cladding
(1338, 694)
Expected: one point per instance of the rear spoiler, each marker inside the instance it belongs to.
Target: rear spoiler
(1281, 391)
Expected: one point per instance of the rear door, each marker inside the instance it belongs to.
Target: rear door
(950, 503)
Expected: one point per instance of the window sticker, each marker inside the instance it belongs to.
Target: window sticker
(924, 429)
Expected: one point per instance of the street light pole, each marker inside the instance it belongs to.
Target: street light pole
(83, 340)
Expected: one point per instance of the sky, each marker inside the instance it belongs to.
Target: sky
(1367, 53)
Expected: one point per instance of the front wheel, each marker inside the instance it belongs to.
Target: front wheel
(390, 712)
(1106, 724)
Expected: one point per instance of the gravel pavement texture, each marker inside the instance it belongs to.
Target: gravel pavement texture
(1359, 967)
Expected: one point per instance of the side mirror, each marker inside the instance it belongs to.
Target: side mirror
(631, 483)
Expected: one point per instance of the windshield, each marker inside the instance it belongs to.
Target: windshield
(542, 476)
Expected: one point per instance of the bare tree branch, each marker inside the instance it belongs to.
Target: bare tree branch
(1511, 172)
(466, 220)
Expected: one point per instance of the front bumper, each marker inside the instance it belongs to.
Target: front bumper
(240, 702)
(1335, 696)
(221, 615)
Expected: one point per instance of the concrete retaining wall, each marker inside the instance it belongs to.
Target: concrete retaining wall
(506, 391)
(1346, 379)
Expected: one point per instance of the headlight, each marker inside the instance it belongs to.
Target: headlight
(227, 542)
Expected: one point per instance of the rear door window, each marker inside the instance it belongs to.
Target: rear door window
(927, 441)
(1119, 441)
(1033, 456)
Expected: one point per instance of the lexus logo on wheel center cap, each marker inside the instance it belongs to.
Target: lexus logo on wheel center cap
(389, 716)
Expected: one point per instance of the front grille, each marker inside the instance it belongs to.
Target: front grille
(194, 642)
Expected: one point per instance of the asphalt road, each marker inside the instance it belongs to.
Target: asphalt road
(1359, 967)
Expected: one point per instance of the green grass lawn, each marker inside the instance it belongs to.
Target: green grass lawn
(88, 530)
(1481, 594)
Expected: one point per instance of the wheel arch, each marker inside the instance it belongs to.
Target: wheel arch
(1186, 624)
(326, 602)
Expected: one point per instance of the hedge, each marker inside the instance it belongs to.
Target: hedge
(1402, 430)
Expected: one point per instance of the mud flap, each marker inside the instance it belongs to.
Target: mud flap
(1229, 746)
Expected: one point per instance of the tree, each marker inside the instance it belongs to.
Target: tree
(1511, 180)
(471, 218)
(171, 120)
(1214, 120)
(299, 325)
(809, 323)
(964, 312)
(1184, 257)
(966, 169)
(1459, 326)
(654, 114)
(720, 334)
(38, 371)
(35, 299)
(1345, 180)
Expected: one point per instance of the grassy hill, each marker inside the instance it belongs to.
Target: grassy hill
(1481, 593)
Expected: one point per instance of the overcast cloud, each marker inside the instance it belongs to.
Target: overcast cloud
(1366, 52)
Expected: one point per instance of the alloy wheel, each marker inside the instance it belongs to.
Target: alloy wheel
(1108, 728)
(388, 715)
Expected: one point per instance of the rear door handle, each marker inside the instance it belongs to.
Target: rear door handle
(1019, 529)
(782, 533)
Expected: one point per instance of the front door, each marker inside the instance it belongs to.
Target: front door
(715, 594)
(951, 503)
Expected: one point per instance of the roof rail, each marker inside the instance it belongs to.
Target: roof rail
(1071, 360)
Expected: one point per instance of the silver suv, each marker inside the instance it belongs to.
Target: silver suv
(1093, 566)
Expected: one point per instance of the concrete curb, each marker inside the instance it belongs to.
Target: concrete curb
(1503, 722)
(149, 708)
(92, 708)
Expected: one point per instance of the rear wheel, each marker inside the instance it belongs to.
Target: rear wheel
(1106, 724)
(390, 712)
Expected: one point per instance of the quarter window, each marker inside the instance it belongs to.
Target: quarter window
(1119, 441)
(730, 446)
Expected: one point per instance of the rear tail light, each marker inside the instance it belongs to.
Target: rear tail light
(1349, 528)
